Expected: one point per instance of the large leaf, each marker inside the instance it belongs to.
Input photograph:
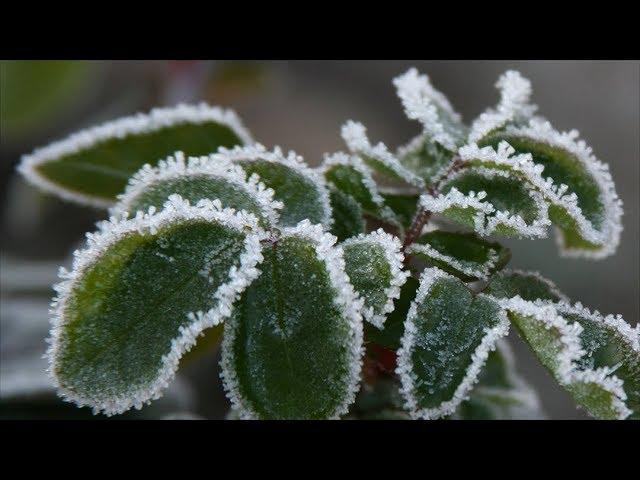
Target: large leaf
(347, 215)
(302, 190)
(374, 266)
(210, 177)
(93, 166)
(490, 202)
(138, 296)
(293, 347)
(352, 176)
(582, 198)
(596, 358)
(501, 394)
(448, 335)
(528, 285)
(464, 255)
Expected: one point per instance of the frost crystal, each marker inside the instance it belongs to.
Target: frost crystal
(214, 165)
(355, 136)
(140, 123)
(514, 106)
(408, 342)
(109, 232)
(345, 299)
(392, 248)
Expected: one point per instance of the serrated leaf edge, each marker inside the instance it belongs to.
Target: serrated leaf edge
(354, 135)
(156, 119)
(109, 232)
(346, 300)
(215, 165)
(567, 371)
(479, 357)
(392, 248)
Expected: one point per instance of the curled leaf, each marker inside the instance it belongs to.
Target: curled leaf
(92, 166)
(139, 295)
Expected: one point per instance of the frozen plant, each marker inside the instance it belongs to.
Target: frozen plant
(334, 295)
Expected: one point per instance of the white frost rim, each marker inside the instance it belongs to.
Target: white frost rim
(487, 217)
(291, 160)
(392, 248)
(156, 119)
(567, 370)
(514, 106)
(355, 136)
(346, 300)
(479, 271)
(553, 288)
(177, 166)
(421, 102)
(408, 342)
(110, 232)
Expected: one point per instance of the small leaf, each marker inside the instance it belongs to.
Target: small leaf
(139, 295)
(422, 102)
(209, 177)
(347, 215)
(464, 255)
(491, 202)
(379, 158)
(529, 286)
(374, 266)
(350, 175)
(302, 190)
(448, 336)
(595, 358)
(582, 198)
(293, 347)
(93, 166)
(425, 158)
(403, 205)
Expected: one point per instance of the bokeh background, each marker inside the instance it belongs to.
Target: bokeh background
(298, 105)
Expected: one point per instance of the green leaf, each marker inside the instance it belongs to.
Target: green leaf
(377, 157)
(582, 198)
(441, 123)
(427, 159)
(350, 175)
(93, 166)
(347, 215)
(595, 358)
(529, 286)
(302, 190)
(491, 202)
(448, 335)
(138, 296)
(501, 394)
(464, 255)
(404, 205)
(293, 347)
(389, 336)
(210, 177)
(34, 91)
(374, 266)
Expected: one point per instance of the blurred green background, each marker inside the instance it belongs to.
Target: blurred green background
(298, 105)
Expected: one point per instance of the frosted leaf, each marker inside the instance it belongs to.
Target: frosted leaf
(378, 157)
(596, 358)
(427, 159)
(348, 218)
(422, 102)
(301, 189)
(374, 265)
(529, 286)
(513, 108)
(582, 198)
(92, 166)
(352, 176)
(448, 335)
(490, 202)
(293, 347)
(195, 178)
(464, 255)
(124, 316)
(403, 203)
